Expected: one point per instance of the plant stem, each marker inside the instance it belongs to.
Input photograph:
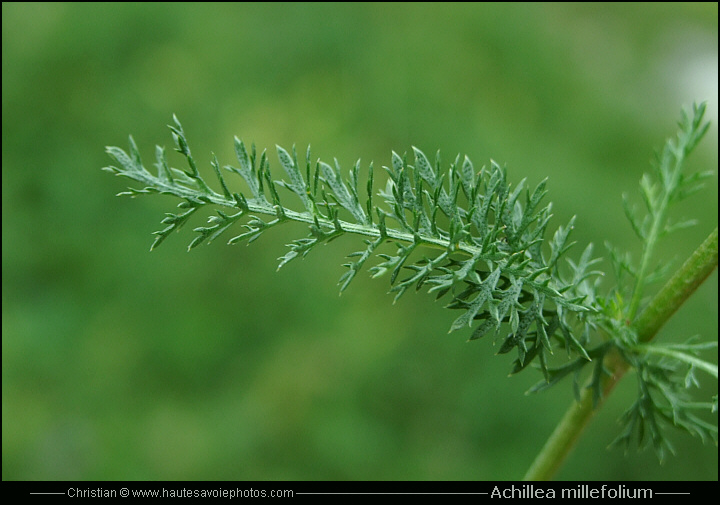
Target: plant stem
(685, 281)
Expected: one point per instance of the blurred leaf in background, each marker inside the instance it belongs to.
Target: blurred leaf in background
(120, 364)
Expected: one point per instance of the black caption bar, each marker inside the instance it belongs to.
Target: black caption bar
(50, 492)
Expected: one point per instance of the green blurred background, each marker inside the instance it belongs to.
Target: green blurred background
(121, 364)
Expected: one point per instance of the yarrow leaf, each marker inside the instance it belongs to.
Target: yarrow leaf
(488, 236)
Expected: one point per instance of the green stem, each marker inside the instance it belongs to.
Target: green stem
(680, 356)
(563, 439)
(685, 281)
